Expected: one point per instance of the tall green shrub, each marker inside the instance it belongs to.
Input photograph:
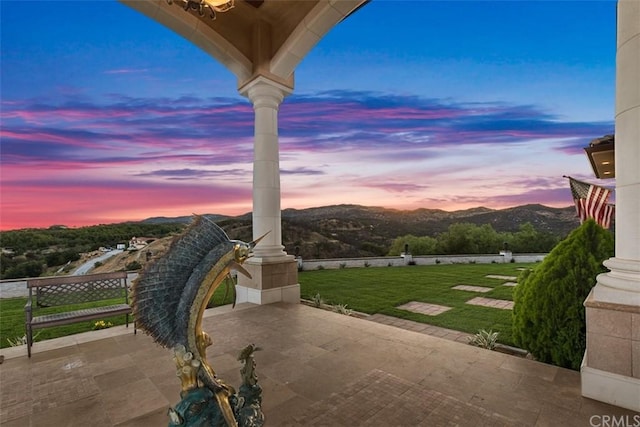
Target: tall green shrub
(548, 315)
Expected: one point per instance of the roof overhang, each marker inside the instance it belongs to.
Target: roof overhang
(601, 154)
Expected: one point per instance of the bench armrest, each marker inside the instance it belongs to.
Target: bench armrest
(28, 311)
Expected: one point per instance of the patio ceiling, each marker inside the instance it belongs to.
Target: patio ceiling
(256, 37)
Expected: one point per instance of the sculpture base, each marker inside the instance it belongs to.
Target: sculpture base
(200, 407)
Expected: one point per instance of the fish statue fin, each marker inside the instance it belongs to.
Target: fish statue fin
(157, 293)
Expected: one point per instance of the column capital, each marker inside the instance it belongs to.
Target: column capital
(264, 92)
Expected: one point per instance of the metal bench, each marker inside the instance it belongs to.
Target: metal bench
(68, 290)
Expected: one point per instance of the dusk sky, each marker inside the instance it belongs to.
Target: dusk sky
(107, 116)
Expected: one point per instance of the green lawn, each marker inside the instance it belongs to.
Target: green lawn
(381, 289)
(369, 290)
(12, 318)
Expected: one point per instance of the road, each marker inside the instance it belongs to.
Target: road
(18, 288)
(84, 268)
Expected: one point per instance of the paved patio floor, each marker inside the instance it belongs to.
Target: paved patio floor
(317, 368)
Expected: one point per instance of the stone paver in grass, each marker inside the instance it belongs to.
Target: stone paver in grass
(490, 302)
(470, 288)
(497, 276)
(509, 284)
(424, 308)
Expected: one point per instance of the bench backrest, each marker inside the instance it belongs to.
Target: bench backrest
(66, 290)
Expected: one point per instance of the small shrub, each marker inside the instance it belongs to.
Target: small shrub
(21, 340)
(484, 339)
(343, 265)
(97, 264)
(101, 324)
(342, 309)
(366, 264)
(133, 265)
(513, 260)
(321, 267)
(317, 300)
(438, 261)
(411, 262)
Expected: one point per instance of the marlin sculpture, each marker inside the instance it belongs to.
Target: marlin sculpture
(169, 298)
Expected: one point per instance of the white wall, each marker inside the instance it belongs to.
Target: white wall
(314, 264)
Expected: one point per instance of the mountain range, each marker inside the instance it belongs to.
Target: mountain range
(354, 230)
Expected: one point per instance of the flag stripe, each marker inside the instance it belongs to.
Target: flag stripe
(591, 201)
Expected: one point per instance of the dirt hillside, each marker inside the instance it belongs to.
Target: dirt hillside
(119, 262)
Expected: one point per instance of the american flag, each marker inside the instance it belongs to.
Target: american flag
(592, 202)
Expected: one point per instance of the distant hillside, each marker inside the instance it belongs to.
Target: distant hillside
(353, 230)
(340, 231)
(349, 230)
(428, 222)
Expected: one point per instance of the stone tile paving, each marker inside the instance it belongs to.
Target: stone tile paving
(497, 276)
(424, 308)
(422, 328)
(470, 288)
(491, 302)
(380, 398)
(44, 386)
(364, 373)
(510, 284)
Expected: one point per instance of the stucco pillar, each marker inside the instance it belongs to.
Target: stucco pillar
(611, 366)
(274, 273)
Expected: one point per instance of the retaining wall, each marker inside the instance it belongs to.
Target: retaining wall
(314, 264)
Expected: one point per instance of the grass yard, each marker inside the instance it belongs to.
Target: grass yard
(381, 290)
(368, 290)
(12, 318)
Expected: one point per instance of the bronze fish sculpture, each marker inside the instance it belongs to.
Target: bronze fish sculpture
(169, 299)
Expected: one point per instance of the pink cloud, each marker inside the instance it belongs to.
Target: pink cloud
(88, 203)
(146, 157)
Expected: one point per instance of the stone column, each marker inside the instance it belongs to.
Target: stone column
(611, 366)
(274, 273)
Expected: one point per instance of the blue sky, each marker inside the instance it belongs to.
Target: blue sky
(107, 116)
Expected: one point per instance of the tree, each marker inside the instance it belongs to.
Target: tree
(548, 315)
(424, 245)
(466, 238)
(25, 269)
(528, 239)
(61, 258)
